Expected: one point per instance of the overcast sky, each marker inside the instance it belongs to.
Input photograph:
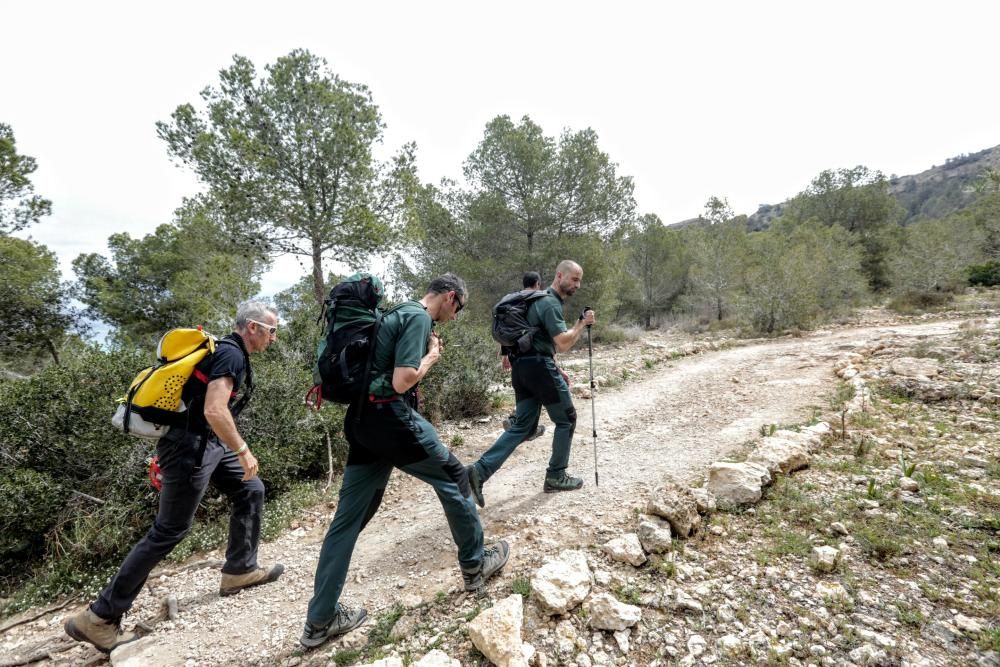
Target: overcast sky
(744, 100)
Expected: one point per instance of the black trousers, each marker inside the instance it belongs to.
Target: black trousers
(184, 484)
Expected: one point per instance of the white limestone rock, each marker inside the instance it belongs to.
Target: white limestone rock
(496, 632)
(626, 549)
(562, 583)
(607, 613)
(654, 534)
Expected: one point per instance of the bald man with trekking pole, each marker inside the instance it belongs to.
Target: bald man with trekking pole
(538, 383)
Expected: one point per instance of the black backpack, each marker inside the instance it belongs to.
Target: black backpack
(344, 354)
(510, 320)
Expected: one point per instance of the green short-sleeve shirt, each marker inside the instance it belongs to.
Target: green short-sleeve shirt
(401, 343)
(547, 314)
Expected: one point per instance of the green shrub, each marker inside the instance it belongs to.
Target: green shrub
(55, 434)
(987, 274)
(288, 439)
(74, 491)
(461, 383)
(915, 301)
(29, 505)
(611, 334)
(521, 586)
(878, 541)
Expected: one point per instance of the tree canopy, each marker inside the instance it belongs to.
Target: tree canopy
(658, 262)
(718, 257)
(288, 159)
(529, 201)
(183, 274)
(541, 187)
(858, 200)
(32, 300)
(19, 205)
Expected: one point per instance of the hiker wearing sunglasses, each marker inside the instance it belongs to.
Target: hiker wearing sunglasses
(209, 449)
(385, 432)
(538, 382)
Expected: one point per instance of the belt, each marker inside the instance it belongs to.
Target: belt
(530, 356)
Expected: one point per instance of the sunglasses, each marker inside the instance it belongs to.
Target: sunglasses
(271, 330)
(460, 306)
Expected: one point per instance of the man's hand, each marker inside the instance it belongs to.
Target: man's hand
(249, 463)
(587, 317)
(434, 349)
(565, 377)
(404, 377)
(505, 364)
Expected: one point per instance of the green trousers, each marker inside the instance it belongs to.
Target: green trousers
(537, 383)
(390, 435)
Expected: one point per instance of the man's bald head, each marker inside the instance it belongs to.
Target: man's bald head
(568, 265)
(569, 277)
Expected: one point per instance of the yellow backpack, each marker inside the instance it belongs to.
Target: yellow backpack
(153, 402)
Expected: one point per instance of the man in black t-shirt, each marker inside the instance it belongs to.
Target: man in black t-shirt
(208, 449)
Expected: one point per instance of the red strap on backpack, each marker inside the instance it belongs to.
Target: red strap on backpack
(155, 475)
(204, 378)
(314, 397)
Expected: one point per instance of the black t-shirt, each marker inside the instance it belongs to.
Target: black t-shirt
(229, 360)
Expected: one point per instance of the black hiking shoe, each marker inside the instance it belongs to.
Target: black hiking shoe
(345, 620)
(494, 558)
(539, 430)
(476, 484)
(564, 483)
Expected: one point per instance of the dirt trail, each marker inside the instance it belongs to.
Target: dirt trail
(674, 421)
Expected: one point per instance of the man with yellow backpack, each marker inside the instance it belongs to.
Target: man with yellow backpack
(203, 447)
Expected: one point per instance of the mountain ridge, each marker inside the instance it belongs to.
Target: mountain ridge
(932, 193)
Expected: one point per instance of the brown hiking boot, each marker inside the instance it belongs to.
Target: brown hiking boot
(234, 583)
(86, 626)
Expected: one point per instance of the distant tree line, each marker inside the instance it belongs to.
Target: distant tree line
(286, 158)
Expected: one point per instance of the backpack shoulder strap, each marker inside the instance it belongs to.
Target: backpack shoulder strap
(248, 377)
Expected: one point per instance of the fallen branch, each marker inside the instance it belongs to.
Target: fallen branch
(61, 644)
(88, 497)
(38, 614)
(197, 565)
(329, 459)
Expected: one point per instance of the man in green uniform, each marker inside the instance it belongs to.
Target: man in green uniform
(539, 382)
(389, 433)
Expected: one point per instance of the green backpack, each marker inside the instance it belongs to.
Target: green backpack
(351, 319)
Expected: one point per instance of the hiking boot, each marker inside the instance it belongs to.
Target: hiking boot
(494, 558)
(539, 430)
(476, 484)
(105, 635)
(564, 483)
(343, 622)
(234, 583)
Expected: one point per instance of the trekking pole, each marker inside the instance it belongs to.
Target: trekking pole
(593, 410)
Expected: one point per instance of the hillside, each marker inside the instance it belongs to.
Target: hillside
(943, 189)
(934, 193)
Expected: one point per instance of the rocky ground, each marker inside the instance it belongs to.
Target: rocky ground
(873, 541)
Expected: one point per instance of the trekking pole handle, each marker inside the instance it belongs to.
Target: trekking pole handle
(583, 314)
